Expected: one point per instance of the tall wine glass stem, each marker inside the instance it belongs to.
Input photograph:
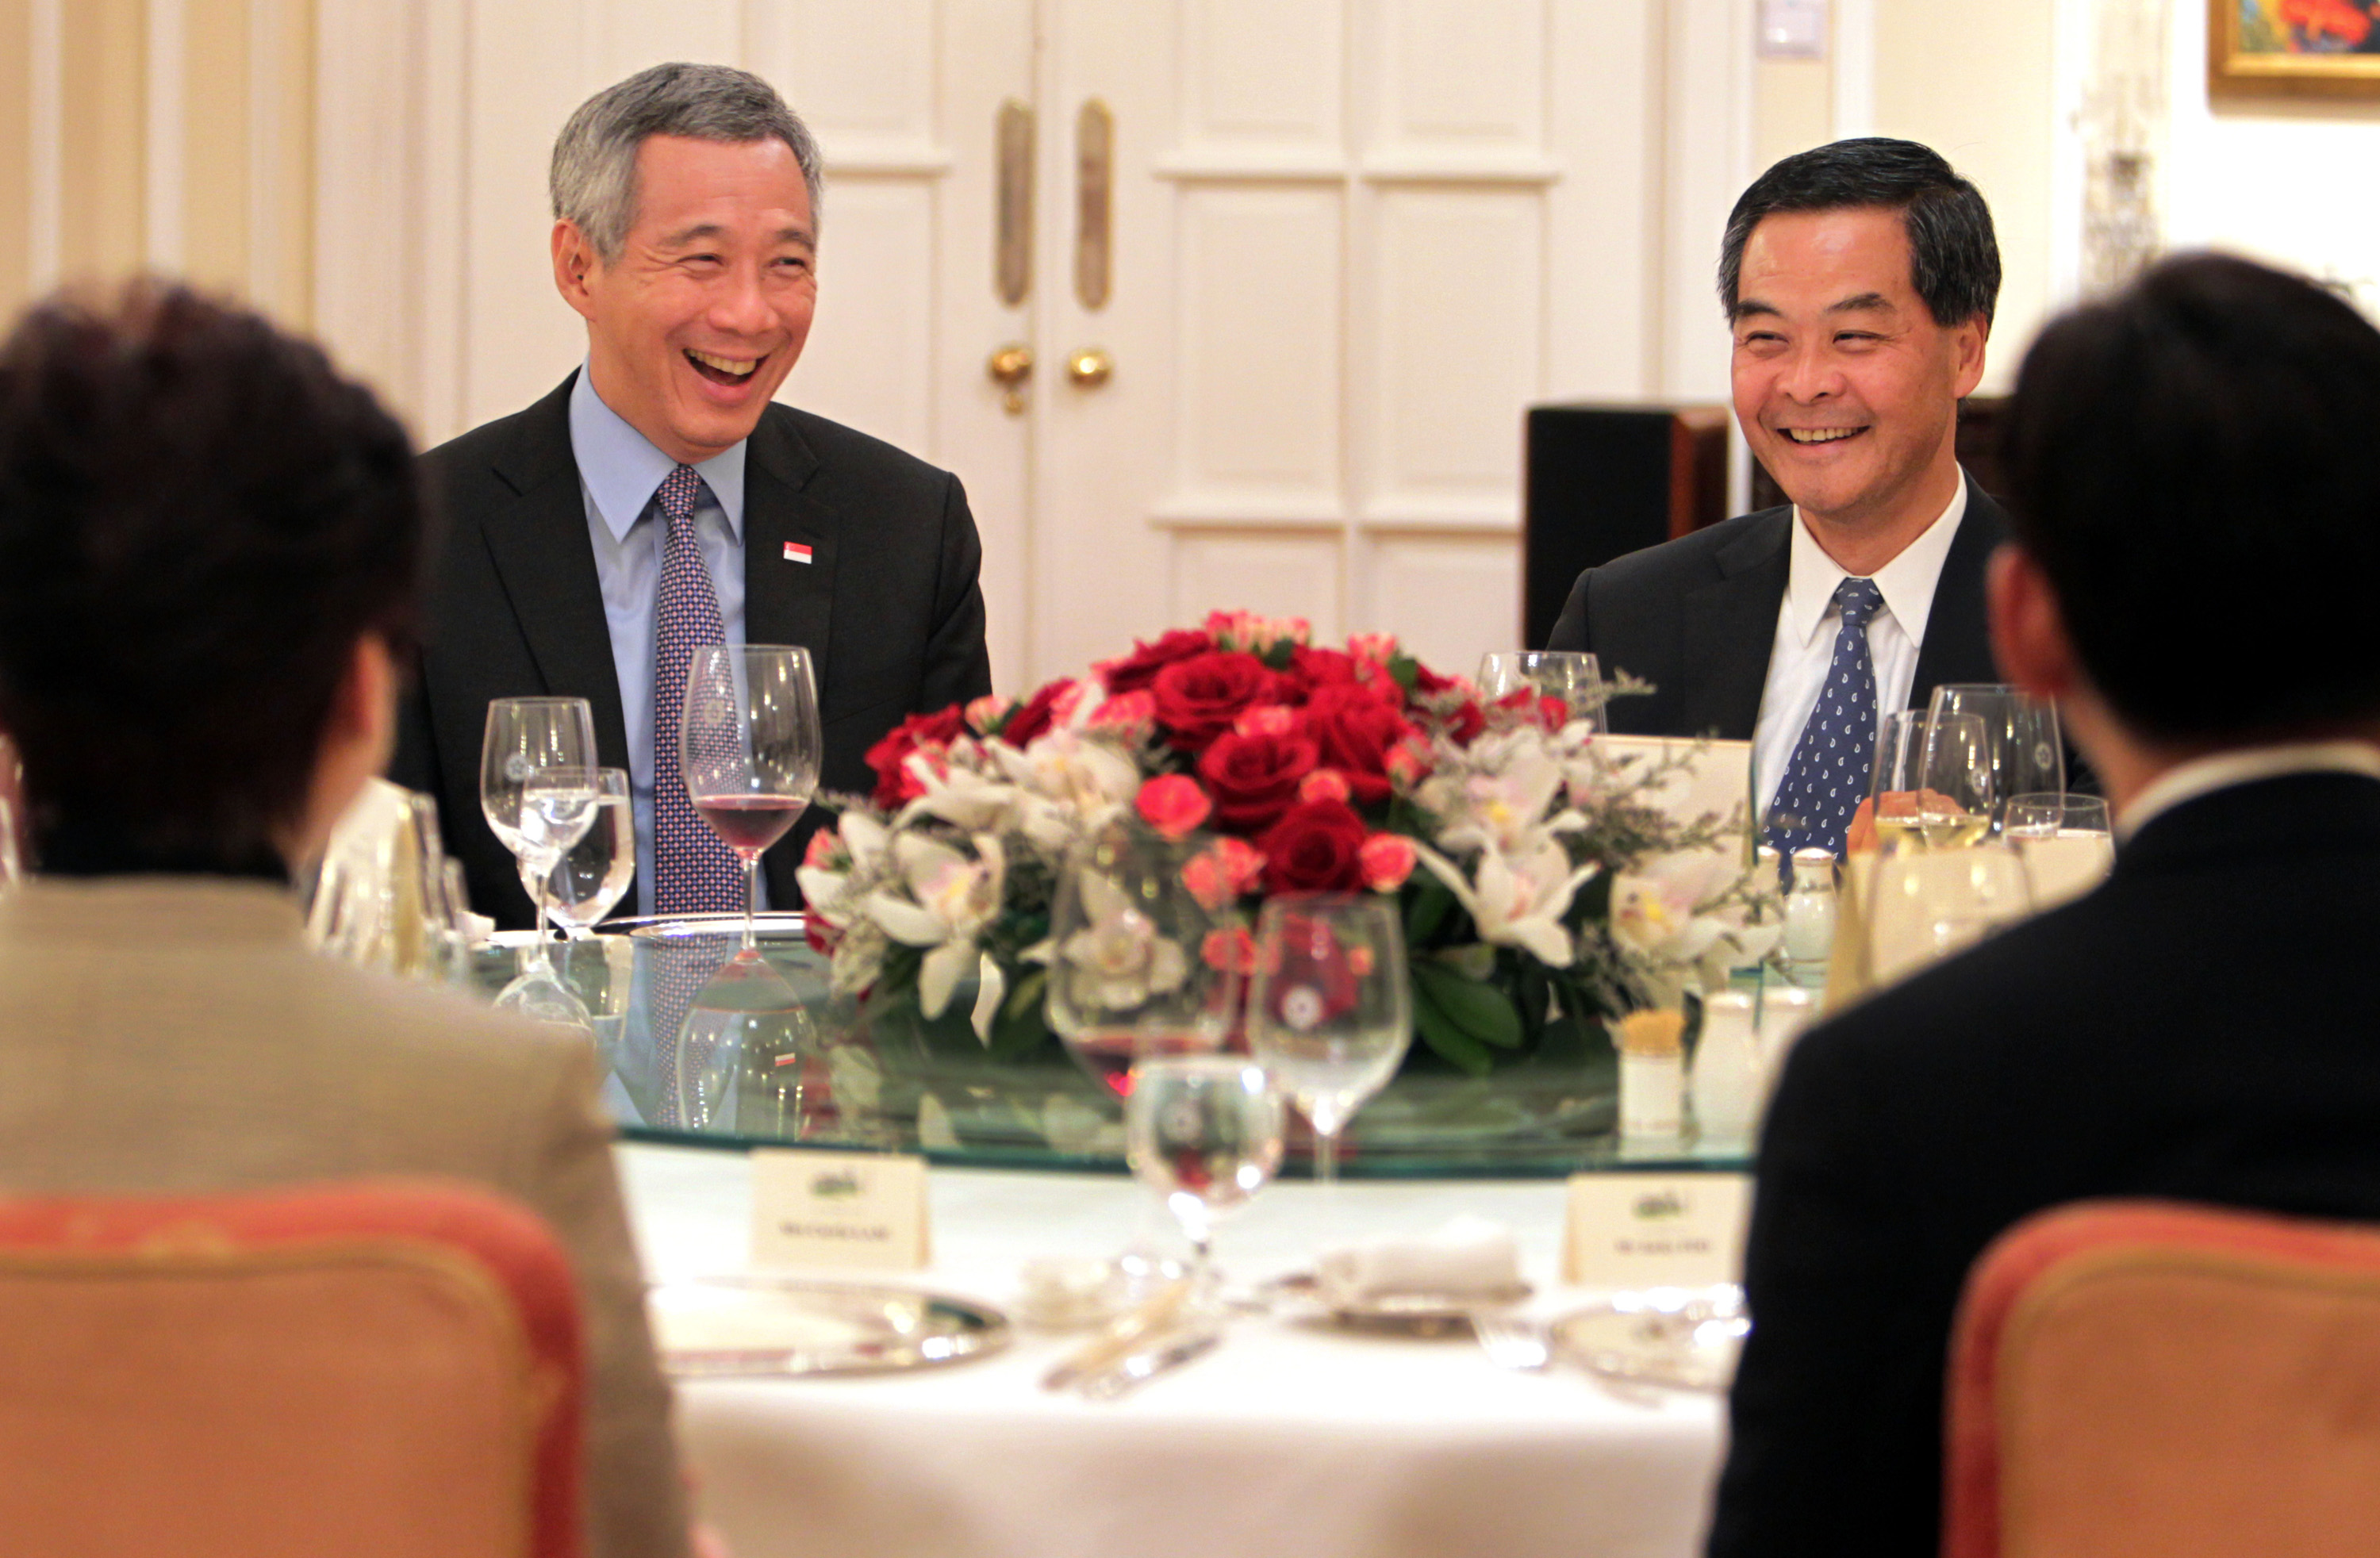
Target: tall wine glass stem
(1326, 1159)
(545, 957)
(751, 896)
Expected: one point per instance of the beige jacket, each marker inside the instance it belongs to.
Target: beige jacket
(175, 1034)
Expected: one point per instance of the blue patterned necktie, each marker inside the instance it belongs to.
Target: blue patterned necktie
(1828, 776)
(694, 872)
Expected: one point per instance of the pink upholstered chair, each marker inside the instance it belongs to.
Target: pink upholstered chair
(380, 1370)
(2140, 1378)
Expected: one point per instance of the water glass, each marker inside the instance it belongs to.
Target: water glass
(2028, 751)
(1205, 1133)
(1328, 1009)
(537, 764)
(1569, 674)
(588, 882)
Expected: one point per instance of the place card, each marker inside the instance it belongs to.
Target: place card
(1635, 1231)
(839, 1209)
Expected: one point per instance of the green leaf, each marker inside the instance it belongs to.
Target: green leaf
(1449, 1041)
(1481, 1011)
(1428, 910)
(1025, 995)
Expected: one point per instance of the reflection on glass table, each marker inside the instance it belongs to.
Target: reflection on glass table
(700, 1047)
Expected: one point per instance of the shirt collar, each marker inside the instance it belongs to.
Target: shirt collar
(2242, 765)
(1906, 583)
(622, 469)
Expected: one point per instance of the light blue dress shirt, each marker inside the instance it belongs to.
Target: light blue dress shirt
(619, 470)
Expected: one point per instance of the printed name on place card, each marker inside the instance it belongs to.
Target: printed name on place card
(1637, 1231)
(839, 1209)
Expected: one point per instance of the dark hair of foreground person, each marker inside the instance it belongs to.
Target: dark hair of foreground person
(198, 521)
(2192, 462)
(1954, 258)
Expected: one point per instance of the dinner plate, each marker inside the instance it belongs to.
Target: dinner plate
(756, 1324)
(1681, 1340)
(1412, 1310)
(777, 925)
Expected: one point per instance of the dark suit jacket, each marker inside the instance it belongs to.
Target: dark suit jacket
(1696, 617)
(2196, 1029)
(889, 604)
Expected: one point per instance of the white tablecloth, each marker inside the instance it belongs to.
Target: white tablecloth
(1291, 1439)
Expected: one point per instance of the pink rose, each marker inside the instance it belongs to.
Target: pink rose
(1267, 719)
(1387, 859)
(1131, 714)
(984, 714)
(1172, 804)
(1323, 784)
(1225, 869)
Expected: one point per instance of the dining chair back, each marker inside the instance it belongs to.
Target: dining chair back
(388, 1369)
(2144, 1378)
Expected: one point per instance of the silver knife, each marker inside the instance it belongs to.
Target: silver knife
(1137, 1369)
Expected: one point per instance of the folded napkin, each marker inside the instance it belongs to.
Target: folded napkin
(1469, 1257)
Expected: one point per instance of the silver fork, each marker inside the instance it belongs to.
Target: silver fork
(1512, 1341)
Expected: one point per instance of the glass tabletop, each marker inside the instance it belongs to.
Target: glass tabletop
(761, 1052)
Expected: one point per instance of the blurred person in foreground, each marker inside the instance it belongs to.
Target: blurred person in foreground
(1859, 280)
(2197, 518)
(659, 497)
(210, 549)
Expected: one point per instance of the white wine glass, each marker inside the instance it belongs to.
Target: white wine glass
(1329, 1010)
(1931, 785)
(1572, 675)
(1139, 966)
(536, 764)
(589, 878)
(749, 746)
(1205, 1133)
(2064, 841)
(2028, 751)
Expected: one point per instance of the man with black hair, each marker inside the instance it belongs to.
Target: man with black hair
(210, 558)
(2191, 455)
(1860, 279)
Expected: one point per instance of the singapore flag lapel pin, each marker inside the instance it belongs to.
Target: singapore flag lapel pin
(796, 552)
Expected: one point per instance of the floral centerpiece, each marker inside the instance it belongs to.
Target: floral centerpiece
(1537, 881)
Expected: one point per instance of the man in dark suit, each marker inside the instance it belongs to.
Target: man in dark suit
(2195, 451)
(1859, 280)
(658, 500)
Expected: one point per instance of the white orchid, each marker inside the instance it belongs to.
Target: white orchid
(951, 900)
(1517, 902)
(865, 843)
(1499, 792)
(1065, 781)
(1119, 959)
(1680, 911)
(961, 790)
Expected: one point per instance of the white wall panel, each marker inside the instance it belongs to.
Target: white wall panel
(862, 76)
(1462, 76)
(1450, 599)
(1262, 72)
(621, 37)
(1275, 576)
(1258, 411)
(869, 360)
(1454, 347)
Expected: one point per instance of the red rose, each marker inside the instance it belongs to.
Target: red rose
(1354, 732)
(1388, 859)
(1427, 680)
(1036, 714)
(1254, 778)
(895, 786)
(1172, 804)
(1198, 698)
(1311, 668)
(1317, 846)
(1136, 670)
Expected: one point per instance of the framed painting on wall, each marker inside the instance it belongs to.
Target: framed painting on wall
(2293, 48)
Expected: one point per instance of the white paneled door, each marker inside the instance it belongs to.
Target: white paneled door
(1283, 329)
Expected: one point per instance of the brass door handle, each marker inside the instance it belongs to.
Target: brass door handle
(1009, 367)
(1089, 368)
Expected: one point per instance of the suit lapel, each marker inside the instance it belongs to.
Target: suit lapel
(787, 600)
(1728, 627)
(1958, 645)
(540, 550)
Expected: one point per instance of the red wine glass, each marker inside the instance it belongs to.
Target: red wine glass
(748, 742)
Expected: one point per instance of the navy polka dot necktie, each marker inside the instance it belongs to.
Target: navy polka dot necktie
(1828, 776)
(694, 872)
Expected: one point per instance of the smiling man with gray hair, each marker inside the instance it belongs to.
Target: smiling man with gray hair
(660, 499)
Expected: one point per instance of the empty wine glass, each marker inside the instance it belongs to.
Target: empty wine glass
(749, 744)
(1141, 967)
(1328, 1012)
(2028, 753)
(587, 882)
(1569, 674)
(536, 783)
(1205, 1133)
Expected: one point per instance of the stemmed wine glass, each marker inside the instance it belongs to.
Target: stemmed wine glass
(1205, 1133)
(1141, 967)
(1327, 1009)
(587, 882)
(748, 741)
(1932, 787)
(1569, 674)
(537, 785)
(2028, 756)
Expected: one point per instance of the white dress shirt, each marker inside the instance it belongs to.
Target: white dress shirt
(1808, 623)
